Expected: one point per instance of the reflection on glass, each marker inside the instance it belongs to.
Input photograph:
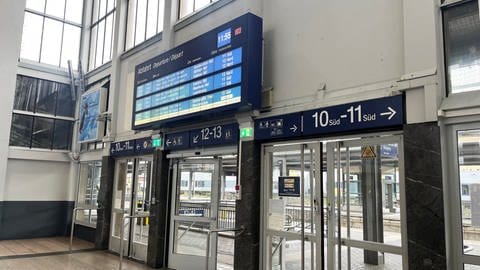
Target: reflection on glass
(190, 238)
(469, 187)
(186, 7)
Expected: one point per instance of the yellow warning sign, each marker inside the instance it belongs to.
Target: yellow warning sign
(368, 152)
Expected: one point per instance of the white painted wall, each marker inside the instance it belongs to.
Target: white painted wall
(11, 25)
(37, 181)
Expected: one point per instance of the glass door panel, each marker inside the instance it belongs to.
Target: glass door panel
(293, 203)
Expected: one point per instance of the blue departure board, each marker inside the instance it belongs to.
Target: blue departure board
(217, 72)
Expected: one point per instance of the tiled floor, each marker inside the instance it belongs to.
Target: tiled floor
(40, 245)
(85, 260)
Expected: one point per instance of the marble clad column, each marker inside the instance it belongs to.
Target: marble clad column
(158, 221)
(104, 212)
(424, 196)
(247, 245)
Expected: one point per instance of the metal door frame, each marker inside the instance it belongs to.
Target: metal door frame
(317, 239)
(212, 220)
(333, 219)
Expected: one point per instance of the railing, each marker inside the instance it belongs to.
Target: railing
(74, 217)
(122, 232)
(237, 231)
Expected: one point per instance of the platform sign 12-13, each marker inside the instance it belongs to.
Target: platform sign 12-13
(213, 135)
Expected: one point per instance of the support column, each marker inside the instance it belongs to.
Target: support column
(424, 196)
(104, 211)
(159, 211)
(372, 205)
(247, 245)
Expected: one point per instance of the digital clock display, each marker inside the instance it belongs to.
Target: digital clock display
(214, 72)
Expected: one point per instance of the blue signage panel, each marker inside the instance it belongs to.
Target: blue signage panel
(144, 146)
(289, 186)
(214, 135)
(287, 125)
(176, 141)
(122, 148)
(219, 71)
(375, 113)
(192, 212)
(389, 150)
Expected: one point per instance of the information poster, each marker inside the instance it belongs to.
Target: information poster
(91, 105)
(289, 186)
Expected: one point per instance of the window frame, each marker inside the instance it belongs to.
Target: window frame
(83, 182)
(91, 66)
(63, 21)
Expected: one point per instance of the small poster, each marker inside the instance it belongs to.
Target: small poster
(289, 186)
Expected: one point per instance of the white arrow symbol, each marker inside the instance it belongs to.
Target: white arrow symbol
(169, 142)
(391, 112)
(195, 139)
(294, 128)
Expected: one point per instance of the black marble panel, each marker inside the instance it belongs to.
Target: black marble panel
(84, 232)
(33, 219)
(247, 252)
(159, 211)
(104, 211)
(424, 196)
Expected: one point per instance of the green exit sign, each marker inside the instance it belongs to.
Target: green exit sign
(246, 132)
(157, 142)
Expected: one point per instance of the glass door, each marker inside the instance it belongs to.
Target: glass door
(131, 196)
(293, 223)
(196, 188)
(464, 173)
(365, 201)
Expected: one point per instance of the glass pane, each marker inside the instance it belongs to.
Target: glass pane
(110, 5)
(228, 178)
(82, 186)
(93, 47)
(21, 130)
(71, 45)
(132, 5)
(100, 39)
(108, 39)
(385, 260)
(25, 93)
(65, 103)
(195, 190)
(74, 11)
(95, 11)
(190, 238)
(462, 26)
(47, 97)
(141, 20)
(286, 254)
(471, 267)
(152, 18)
(103, 8)
(201, 3)
(37, 5)
(161, 12)
(42, 133)
(186, 7)
(51, 42)
(31, 37)
(62, 135)
(55, 8)
(469, 176)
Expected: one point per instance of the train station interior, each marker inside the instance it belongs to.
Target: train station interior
(240, 135)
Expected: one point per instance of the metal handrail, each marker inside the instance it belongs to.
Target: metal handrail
(122, 232)
(207, 257)
(74, 217)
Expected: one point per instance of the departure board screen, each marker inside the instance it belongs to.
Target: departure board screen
(217, 72)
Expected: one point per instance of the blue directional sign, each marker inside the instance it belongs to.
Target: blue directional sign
(287, 125)
(144, 145)
(176, 141)
(375, 113)
(122, 148)
(289, 186)
(389, 150)
(214, 135)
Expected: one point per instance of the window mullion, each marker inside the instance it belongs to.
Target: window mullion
(146, 21)
(135, 28)
(158, 14)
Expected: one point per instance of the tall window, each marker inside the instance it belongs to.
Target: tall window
(188, 7)
(88, 187)
(462, 46)
(101, 32)
(43, 114)
(145, 20)
(51, 31)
